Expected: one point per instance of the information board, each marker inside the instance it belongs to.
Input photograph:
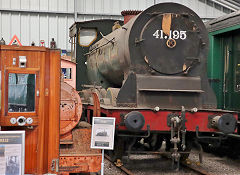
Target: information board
(103, 129)
(12, 152)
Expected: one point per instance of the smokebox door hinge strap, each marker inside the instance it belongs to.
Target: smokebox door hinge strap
(138, 40)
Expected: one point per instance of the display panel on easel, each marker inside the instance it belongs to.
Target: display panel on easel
(12, 149)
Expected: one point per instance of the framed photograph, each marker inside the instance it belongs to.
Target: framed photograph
(12, 152)
(103, 130)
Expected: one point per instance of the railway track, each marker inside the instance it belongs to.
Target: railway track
(122, 168)
(190, 165)
(196, 167)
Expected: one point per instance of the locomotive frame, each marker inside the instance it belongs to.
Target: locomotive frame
(184, 109)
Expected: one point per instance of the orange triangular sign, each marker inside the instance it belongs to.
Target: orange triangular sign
(15, 41)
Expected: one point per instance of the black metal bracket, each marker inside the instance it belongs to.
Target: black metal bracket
(142, 136)
(209, 139)
(200, 150)
(122, 119)
(214, 80)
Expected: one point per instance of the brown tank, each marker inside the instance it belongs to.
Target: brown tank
(70, 111)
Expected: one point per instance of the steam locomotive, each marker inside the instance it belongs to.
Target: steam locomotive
(150, 74)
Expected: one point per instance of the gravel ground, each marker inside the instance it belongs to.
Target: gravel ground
(218, 165)
(145, 165)
(156, 165)
(110, 169)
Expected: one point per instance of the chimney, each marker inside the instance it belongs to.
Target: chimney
(128, 14)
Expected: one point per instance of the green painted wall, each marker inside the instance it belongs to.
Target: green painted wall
(216, 61)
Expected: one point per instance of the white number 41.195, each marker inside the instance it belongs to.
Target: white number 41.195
(175, 34)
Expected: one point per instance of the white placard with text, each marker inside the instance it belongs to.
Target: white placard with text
(103, 130)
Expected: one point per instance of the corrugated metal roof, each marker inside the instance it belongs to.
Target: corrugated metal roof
(225, 17)
(223, 22)
(234, 5)
(236, 2)
(35, 20)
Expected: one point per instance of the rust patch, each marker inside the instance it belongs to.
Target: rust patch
(79, 157)
(184, 67)
(166, 23)
(81, 144)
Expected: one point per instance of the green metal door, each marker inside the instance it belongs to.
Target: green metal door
(231, 75)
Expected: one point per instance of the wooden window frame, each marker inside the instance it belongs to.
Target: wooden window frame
(37, 87)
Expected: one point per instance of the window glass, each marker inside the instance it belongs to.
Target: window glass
(21, 92)
(73, 47)
(226, 10)
(210, 3)
(236, 55)
(67, 73)
(217, 6)
(87, 36)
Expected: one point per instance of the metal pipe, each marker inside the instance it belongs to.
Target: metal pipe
(75, 10)
(102, 164)
(230, 135)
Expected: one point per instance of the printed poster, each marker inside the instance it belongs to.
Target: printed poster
(12, 147)
(103, 130)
